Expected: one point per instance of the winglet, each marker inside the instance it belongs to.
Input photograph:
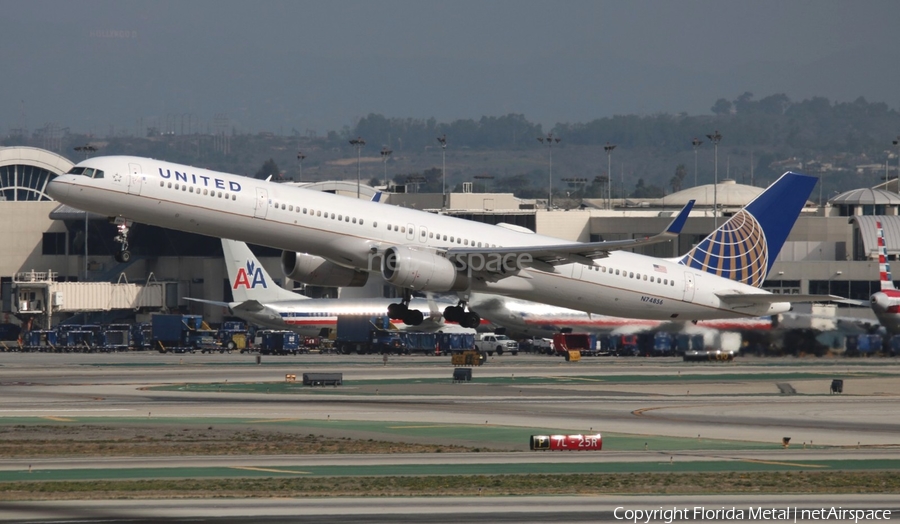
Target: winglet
(677, 224)
(377, 196)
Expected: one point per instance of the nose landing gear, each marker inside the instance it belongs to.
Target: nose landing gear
(123, 227)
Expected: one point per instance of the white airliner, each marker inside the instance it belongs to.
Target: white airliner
(331, 240)
(259, 300)
(525, 318)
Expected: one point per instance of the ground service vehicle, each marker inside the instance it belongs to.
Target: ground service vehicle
(181, 333)
(581, 342)
(367, 335)
(491, 342)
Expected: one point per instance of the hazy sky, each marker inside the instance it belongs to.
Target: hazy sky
(278, 65)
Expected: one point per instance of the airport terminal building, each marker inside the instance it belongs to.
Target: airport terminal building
(832, 248)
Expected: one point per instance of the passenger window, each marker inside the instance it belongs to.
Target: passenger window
(347, 219)
(617, 272)
(445, 238)
(205, 191)
(403, 229)
(332, 216)
(423, 233)
(651, 279)
(479, 244)
(673, 283)
(191, 190)
(430, 235)
(354, 220)
(184, 188)
(304, 210)
(361, 223)
(319, 213)
(666, 282)
(290, 208)
(630, 275)
(176, 186)
(162, 183)
(340, 217)
(645, 277)
(451, 239)
(234, 197)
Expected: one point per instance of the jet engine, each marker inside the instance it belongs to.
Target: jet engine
(421, 270)
(318, 271)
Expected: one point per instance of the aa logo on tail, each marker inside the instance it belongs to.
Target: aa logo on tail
(250, 277)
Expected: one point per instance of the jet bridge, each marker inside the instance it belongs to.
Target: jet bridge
(38, 295)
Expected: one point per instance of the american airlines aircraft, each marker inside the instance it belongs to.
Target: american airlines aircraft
(332, 240)
(259, 300)
(886, 303)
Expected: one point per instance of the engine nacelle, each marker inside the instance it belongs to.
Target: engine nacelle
(318, 271)
(421, 270)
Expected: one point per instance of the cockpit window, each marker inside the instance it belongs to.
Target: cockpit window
(98, 173)
(89, 172)
(76, 171)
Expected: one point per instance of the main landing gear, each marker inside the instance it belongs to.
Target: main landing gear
(123, 226)
(458, 314)
(401, 311)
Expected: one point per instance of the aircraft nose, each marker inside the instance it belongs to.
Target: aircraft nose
(58, 189)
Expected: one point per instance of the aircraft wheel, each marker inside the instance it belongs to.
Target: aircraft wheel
(397, 311)
(470, 320)
(453, 314)
(413, 317)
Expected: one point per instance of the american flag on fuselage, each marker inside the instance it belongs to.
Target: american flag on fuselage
(659, 268)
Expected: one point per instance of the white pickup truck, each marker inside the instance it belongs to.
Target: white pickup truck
(489, 343)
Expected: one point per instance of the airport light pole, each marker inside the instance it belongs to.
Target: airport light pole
(609, 149)
(715, 138)
(696, 142)
(385, 153)
(549, 140)
(358, 143)
(86, 150)
(300, 157)
(443, 140)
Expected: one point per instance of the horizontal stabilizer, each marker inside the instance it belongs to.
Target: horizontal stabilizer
(771, 298)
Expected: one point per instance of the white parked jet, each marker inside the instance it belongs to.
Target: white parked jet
(333, 240)
(259, 300)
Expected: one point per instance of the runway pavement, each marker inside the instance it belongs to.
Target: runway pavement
(736, 412)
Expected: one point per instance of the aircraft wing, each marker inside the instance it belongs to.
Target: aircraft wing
(772, 298)
(249, 306)
(581, 252)
(212, 302)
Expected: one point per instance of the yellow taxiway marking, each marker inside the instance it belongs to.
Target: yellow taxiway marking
(421, 427)
(265, 421)
(272, 470)
(60, 419)
(777, 463)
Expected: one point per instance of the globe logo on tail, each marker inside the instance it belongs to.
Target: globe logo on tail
(737, 251)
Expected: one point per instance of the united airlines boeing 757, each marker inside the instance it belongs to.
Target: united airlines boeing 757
(331, 240)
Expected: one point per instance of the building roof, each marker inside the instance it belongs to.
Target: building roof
(866, 197)
(868, 230)
(730, 194)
